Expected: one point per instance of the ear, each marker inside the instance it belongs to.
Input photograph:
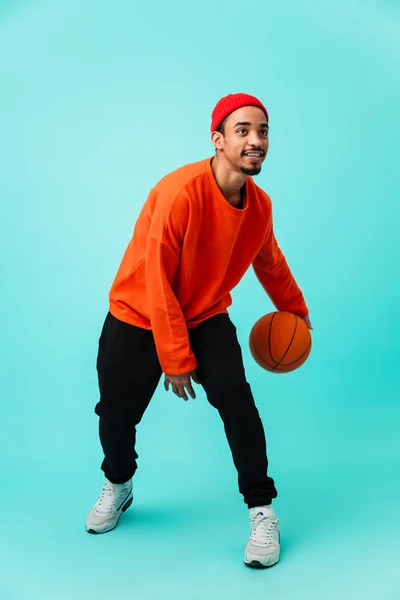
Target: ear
(217, 140)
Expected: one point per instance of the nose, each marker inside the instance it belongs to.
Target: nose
(254, 139)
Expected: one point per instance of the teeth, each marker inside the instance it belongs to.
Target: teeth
(257, 154)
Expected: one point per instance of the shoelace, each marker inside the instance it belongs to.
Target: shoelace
(108, 499)
(262, 530)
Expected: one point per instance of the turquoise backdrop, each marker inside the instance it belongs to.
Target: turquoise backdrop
(98, 101)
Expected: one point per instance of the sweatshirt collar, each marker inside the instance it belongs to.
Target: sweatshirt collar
(217, 192)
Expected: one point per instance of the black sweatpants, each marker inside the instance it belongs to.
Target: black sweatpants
(129, 372)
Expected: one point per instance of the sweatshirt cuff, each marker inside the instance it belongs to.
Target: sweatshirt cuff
(302, 310)
(172, 366)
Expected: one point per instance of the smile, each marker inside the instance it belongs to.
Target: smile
(254, 156)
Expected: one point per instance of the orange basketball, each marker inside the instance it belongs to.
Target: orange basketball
(280, 342)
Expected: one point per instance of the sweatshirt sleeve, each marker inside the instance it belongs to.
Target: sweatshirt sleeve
(273, 272)
(166, 317)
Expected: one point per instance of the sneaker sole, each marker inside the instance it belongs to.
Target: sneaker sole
(123, 509)
(256, 564)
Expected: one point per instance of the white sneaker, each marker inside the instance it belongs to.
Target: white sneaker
(263, 548)
(113, 501)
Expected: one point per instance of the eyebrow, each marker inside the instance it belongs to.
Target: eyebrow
(247, 124)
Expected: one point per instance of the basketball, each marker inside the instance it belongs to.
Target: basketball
(280, 342)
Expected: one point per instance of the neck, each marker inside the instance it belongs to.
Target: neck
(229, 182)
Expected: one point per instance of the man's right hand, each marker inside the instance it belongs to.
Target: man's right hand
(182, 383)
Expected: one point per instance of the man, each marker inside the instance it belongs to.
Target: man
(200, 229)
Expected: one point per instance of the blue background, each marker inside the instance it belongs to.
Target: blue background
(98, 101)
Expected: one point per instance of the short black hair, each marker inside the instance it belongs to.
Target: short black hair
(221, 129)
(221, 126)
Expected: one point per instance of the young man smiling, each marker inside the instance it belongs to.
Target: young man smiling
(199, 231)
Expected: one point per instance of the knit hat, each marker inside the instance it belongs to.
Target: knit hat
(230, 103)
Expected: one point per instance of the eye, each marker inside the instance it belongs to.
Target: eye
(264, 132)
(242, 131)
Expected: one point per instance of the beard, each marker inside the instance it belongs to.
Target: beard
(252, 171)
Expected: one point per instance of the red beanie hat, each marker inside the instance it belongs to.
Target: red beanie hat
(230, 103)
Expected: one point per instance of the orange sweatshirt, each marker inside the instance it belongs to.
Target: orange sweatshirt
(189, 249)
